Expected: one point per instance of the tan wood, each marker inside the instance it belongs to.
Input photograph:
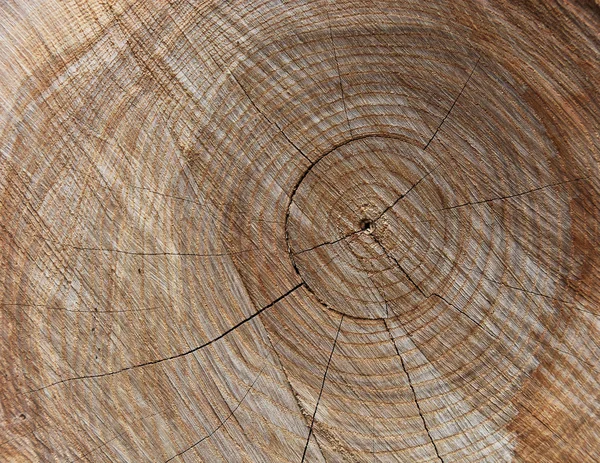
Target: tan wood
(299, 231)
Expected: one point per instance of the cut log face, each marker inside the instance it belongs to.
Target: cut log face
(258, 231)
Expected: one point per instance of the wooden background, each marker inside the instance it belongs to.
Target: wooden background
(299, 231)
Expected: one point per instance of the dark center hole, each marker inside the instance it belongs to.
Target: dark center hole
(366, 225)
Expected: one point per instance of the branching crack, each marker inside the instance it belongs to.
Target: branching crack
(269, 120)
(414, 393)
(176, 356)
(321, 391)
(355, 232)
(453, 104)
(428, 296)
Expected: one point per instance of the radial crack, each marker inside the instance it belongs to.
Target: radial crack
(337, 65)
(176, 356)
(399, 266)
(291, 388)
(223, 422)
(570, 304)
(412, 388)
(453, 104)
(428, 296)
(321, 391)
(483, 327)
(269, 120)
(500, 198)
(328, 242)
(406, 193)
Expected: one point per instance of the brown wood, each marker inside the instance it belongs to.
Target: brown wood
(293, 231)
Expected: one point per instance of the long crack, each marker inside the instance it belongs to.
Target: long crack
(310, 431)
(453, 104)
(392, 258)
(412, 388)
(269, 120)
(175, 356)
(501, 198)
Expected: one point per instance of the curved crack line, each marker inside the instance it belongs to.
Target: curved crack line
(116, 436)
(175, 356)
(493, 336)
(412, 388)
(455, 307)
(429, 296)
(453, 104)
(223, 422)
(322, 387)
(306, 172)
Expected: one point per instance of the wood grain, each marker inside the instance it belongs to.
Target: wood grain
(308, 231)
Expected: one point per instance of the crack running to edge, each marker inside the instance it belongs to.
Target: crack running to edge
(501, 198)
(412, 388)
(223, 422)
(291, 389)
(337, 64)
(176, 356)
(322, 387)
(453, 104)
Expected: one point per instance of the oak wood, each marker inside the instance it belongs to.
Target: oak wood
(299, 231)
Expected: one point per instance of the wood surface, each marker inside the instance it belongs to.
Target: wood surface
(299, 231)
